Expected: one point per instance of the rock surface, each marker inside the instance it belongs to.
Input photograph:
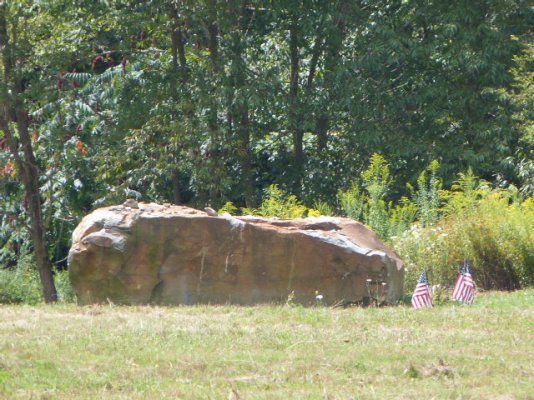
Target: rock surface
(167, 254)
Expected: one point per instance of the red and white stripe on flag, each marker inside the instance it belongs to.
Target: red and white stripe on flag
(421, 296)
(464, 289)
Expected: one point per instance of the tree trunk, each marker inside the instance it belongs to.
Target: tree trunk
(334, 44)
(175, 45)
(239, 111)
(28, 173)
(178, 45)
(246, 156)
(316, 53)
(33, 196)
(322, 124)
(177, 188)
(12, 111)
(294, 112)
(214, 162)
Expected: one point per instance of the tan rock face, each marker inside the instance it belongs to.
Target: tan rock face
(178, 255)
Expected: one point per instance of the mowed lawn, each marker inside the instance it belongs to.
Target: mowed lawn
(484, 351)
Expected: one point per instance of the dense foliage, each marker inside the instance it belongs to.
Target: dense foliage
(435, 229)
(205, 102)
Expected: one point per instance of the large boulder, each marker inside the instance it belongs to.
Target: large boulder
(165, 254)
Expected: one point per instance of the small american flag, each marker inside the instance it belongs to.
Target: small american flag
(464, 290)
(421, 295)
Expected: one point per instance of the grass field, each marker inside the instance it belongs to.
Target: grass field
(484, 351)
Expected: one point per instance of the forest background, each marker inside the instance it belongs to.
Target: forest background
(415, 117)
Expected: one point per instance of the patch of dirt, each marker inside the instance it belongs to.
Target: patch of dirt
(439, 370)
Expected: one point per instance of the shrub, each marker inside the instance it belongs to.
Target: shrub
(65, 293)
(279, 204)
(228, 207)
(427, 194)
(466, 193)
(494, 234)
(322, 207)
(20, 284)
(425, 249)
(352, 202)
(402, 216)
(370, 206)
(377, 179)
(312, 212)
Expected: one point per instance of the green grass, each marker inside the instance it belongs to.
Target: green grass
(484, 351)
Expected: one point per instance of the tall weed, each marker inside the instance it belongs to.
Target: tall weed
(352, 202)
(21, 283)
(402, 216)
(65, 292)
(437, 229)
(465, 194)
(495, 234)
(279, 204)
(229, 208)
(377, 180)
(427, 195)
(370, 205)
(322, 208)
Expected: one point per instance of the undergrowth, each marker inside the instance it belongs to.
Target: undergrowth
(434, 229)
(495, 234)
(21, 284)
